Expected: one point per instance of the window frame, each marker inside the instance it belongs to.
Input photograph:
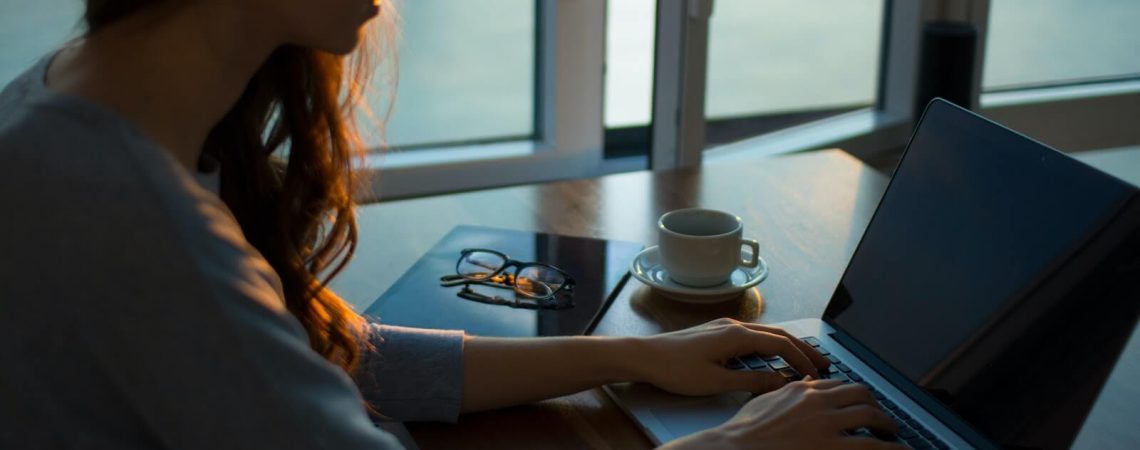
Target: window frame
(880, 132)
(568, 140)
(866, 131)
(571, 138)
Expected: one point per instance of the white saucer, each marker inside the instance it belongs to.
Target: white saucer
(647, 268)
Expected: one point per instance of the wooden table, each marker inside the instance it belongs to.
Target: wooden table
(808, 211)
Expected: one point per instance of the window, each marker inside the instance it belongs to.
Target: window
(503, 92)
(532, 67)
(784, 55)
(629, 62)
(1049, 42)
(630, 35)
(467, 73)
(1064, 71)
(1037, 64)
(775, 63)
(491, 93)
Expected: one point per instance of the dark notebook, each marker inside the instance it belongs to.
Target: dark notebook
(598, 266)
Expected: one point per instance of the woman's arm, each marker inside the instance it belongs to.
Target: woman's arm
(501, 372)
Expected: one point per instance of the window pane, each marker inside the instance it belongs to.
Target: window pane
(629, 62)
(781, 56)
(467, 72)
(31, 28)
(466, 68)
(1055, 41)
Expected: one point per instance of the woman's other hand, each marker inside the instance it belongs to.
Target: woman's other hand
(501, 372)
(809, 414)
(692, 361)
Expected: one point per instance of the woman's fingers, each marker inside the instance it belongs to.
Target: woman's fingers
(823, 384)
(756, 382)
(846, 395)
(865, 416)
(774, 344)
(819, 360)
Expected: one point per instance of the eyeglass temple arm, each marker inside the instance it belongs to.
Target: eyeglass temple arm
(465, 282)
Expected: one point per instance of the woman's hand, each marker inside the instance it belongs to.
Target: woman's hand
(692, 361)
(500, 372)
(809, 414)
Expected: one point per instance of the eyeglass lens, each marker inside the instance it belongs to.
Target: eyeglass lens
(479, 265)
(538, 281)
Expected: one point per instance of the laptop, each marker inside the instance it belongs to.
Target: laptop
(985, 306)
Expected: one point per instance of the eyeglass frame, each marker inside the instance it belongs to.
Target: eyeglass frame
(567, 285)
(549, 303)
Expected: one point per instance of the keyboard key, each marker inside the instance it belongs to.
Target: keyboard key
(833, 359)
(925, 433)
(778, 364)
(907, 433)
(855, 377)
(938, 444)
(889, 405)
(822, 351)
(878, 395)
(772, 358)
(789, 374)
(812, 341)
(753, 361)
(917, 443)
(734, 364)
(842, 367)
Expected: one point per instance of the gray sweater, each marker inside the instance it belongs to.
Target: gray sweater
(134, 313)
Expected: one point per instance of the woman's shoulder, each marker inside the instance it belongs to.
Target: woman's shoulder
(37, 121)
(86, 165)
(31, 117)
(55, 141)
(58, 146)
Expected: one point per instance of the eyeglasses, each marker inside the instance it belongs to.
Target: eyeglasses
(532, 280)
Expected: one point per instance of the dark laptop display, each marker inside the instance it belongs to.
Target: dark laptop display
(1000, 276)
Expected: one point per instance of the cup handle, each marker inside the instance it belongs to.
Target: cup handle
(751, 243)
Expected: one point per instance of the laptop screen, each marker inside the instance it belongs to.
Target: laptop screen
(999, 276)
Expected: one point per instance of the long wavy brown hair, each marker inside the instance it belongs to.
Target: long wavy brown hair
(297, 209)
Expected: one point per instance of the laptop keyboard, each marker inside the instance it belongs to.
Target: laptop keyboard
(911, 433)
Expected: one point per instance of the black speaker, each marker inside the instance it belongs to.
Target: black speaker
(946, 64)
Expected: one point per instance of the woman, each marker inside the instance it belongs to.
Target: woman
(166, 264)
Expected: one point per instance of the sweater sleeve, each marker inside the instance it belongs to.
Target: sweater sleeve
(412, 374)
(157, 304)
(209, 355)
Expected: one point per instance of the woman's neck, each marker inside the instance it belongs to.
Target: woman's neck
(173, 72)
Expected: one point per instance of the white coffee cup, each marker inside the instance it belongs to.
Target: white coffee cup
(701, 247)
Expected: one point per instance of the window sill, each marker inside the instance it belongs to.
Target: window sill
(462, 154)
(1058, 93)
(848, 130)
(433, 171)
(1070, 118)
